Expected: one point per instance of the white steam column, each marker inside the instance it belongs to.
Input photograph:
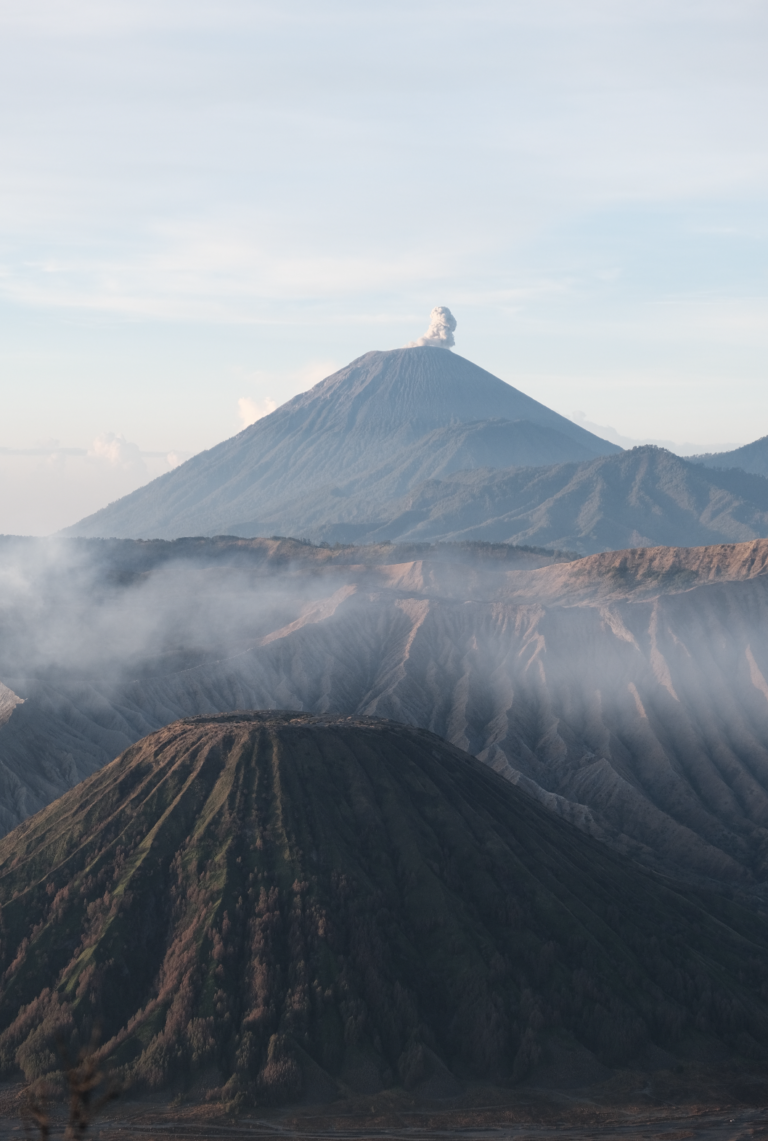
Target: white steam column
(439, 335)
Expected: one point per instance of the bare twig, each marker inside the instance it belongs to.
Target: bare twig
(36, 1110)
(83, 1077)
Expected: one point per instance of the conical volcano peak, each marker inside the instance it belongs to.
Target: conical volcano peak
(415, 390)
(276, 903)
(325, 464)
(439, 335)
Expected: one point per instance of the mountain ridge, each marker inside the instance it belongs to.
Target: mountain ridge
(752, 457)
(627, 691)
(644, 497)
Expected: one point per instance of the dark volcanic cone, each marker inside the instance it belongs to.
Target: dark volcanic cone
(284, 902)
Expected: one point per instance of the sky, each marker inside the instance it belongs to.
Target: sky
(206, 207)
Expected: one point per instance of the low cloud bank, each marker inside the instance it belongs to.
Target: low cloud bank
(118, 452)
(50, 486)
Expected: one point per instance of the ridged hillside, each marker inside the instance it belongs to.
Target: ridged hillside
(750, 457)
(358, 439)
(627, 690)
(645, 497)
(287, 905)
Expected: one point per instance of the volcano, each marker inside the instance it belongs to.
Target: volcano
(334, 455)
(279, 905)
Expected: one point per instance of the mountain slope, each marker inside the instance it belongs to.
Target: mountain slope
(349, 443)
(641, 498)
(751, 457)
(284, 903)
(85, 624)
(627, 690)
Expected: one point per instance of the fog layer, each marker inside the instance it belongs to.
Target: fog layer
(627, 691)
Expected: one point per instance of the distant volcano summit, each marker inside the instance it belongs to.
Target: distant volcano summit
(329, 459)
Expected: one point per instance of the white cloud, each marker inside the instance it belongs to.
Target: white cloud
(211, 271)
(117, 452)
(249, 411)
(270, 169)
(54, 486)
(253, 408)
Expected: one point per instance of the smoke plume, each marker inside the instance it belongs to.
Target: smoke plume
(439, 335)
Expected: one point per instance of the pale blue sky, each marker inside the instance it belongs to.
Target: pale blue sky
(208, 203)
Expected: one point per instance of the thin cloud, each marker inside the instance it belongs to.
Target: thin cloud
(252, 408)
(249, 411)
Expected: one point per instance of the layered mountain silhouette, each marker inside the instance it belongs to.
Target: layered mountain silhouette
(359, 439)
(645, 497)
(282, 906)
(418, 445)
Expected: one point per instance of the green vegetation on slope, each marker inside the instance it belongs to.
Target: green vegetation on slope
(281, 900)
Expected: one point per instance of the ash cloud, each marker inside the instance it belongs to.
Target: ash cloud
(439, 335)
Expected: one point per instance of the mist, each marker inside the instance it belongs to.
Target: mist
(626, 691)
(110, 610)
(50, 486)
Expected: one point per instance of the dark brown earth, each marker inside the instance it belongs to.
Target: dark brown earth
(268, 906)
(725, 1111)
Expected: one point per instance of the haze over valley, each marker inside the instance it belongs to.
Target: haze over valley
(627, 693)
(622, 698)
(383, 741)
(584, 621)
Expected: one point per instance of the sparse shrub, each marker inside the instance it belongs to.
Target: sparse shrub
(280, 1079)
